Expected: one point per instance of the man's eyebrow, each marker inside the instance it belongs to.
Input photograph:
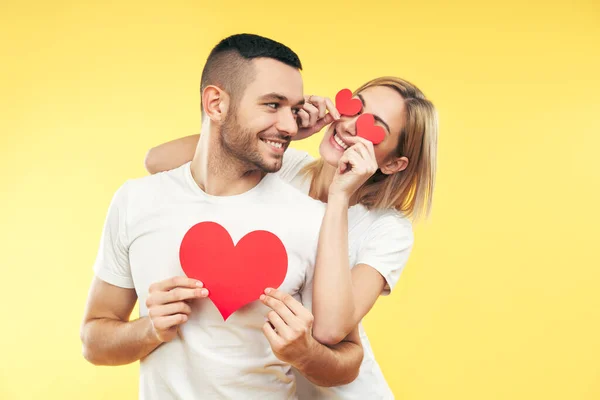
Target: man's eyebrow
(377, 118)
(280, 97)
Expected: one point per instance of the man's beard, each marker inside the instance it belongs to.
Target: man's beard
(242, 145)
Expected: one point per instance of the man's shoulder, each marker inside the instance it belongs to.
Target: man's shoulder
(151, 189)
(156, 182)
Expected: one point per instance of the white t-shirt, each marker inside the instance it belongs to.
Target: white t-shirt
(210, 358)
(381, 239)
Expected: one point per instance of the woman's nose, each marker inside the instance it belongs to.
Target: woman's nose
(348, 125)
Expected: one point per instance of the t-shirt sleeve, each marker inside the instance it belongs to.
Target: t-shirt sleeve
(112, 261)
(386, 247)
(293, 161)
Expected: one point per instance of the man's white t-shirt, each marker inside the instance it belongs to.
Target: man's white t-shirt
(210, 358)
(381, 239)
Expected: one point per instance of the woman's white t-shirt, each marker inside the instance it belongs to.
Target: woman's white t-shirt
(381, 239)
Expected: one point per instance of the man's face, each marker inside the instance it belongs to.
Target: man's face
(258, 129)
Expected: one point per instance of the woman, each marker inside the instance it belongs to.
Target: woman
(373, 192)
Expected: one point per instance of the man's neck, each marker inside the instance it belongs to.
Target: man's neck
(218, 173)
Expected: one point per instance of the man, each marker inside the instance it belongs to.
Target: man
(251, 92)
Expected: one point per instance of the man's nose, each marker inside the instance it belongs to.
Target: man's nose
(287, 123)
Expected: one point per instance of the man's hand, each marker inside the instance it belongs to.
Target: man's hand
(289, 332)
(168, 307)
(316, 113)
(289, 327)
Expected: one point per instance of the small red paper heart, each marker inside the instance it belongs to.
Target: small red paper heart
(345, 104)
(235, 275)
(366, 128)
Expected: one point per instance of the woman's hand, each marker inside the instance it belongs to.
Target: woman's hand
(356, 166)
(316, 113)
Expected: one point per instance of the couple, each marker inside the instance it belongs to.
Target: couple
(302, 339)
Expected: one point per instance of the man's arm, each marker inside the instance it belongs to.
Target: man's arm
(109, 338)
(289, 331)
(333, 365)
(107, 335)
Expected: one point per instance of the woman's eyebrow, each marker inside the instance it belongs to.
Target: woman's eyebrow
(377, 118)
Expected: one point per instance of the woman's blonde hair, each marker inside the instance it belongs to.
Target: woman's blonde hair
(409, 191)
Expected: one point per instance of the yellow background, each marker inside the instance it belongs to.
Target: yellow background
(500, 297)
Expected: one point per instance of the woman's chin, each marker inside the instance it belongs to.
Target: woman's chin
(330, 152)
(330, 157)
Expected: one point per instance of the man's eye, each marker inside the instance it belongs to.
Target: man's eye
(295, 111)
(272, 105)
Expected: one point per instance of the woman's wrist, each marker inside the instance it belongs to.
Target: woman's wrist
(338, 199)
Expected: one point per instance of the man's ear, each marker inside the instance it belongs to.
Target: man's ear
(215, 102)
(394, 165)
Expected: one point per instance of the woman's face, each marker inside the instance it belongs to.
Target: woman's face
(387, 106)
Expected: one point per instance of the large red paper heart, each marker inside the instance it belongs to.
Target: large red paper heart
(345, 104)
(366, 128)
(235, 275)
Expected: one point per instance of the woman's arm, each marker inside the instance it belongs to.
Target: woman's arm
(171, 155)
(316, 113)
(381, 257)
(341, 298)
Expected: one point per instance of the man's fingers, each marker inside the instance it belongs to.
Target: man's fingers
(274, 339)
(290, 302)
(323, 122)
(321, 105)
(283, 312)
(279, 324)
(283, 297)
(164, 323)
(175, 295)
(331, 108)
(279, 307)
(176, 281)
(179, 307)
(304, 118)
(313, 113)
(179, 294)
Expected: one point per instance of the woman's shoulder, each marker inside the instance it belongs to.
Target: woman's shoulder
(390, 222)
(292, 153)
(385, 244)
(294, 156)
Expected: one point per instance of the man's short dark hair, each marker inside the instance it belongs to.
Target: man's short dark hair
(229, 63)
